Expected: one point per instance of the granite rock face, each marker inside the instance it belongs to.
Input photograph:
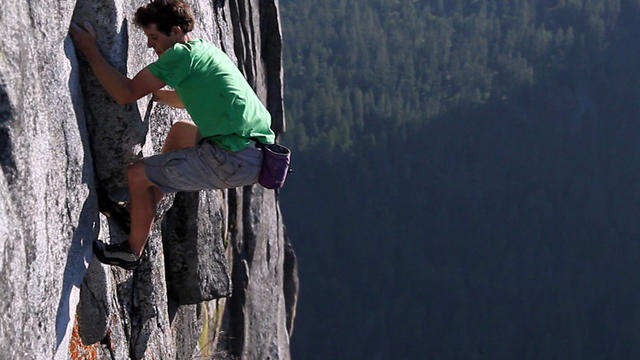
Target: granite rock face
(217, 279)
(195, 260)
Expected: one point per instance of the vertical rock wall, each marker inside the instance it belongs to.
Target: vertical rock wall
(213, 279)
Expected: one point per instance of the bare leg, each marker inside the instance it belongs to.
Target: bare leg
(181, 135)
(142, 206)
(144, 195)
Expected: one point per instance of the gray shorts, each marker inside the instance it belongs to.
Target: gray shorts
(204, 166)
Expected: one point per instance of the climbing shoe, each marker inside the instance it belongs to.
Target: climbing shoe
(116, 254)
(115, 211)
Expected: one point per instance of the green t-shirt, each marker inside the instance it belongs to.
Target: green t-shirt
(215, 93)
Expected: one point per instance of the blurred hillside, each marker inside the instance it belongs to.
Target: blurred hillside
(466, 178)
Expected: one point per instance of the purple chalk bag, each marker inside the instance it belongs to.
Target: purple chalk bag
(275, 166)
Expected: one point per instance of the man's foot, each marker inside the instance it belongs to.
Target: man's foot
(116, 254)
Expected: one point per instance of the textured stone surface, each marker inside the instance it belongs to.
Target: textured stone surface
(195, 262)
(271, 53)
(46, 181)
(94, 306)
(291, 283)
(256, 320)
(263, 251)
(62, 137)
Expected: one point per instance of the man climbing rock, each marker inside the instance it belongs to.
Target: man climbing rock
(215, 151)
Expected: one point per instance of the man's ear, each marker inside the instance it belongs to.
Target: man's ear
(176, 30)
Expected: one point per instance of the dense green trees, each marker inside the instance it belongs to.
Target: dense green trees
(363, 70)
(467, 178)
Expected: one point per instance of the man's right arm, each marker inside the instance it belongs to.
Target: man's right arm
(123, 89)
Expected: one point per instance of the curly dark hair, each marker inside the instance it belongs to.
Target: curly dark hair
(165, 14)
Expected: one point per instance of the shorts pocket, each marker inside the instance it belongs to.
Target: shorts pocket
(174, 169)
(234, 169)
(244, 175)
(247, 167)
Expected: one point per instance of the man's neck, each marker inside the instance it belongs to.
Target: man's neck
(185, 38)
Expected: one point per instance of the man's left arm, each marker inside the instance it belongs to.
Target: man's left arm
(121, 88)
(168, 97)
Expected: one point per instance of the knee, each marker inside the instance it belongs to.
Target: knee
(182, 134)
(182, 126)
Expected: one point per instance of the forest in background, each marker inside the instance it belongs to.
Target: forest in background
(364, 71)
(466, 177)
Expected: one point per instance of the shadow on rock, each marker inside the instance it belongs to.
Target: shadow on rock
(79, 253)
(86, 231)
(7, 162)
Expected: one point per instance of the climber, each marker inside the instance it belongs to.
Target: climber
(216, 150)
